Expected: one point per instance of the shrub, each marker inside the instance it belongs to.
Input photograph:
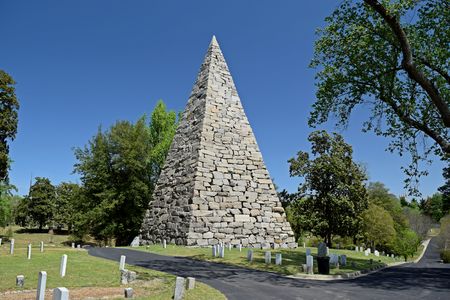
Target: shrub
(445, 256)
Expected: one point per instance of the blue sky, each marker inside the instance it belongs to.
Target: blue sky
(81, 64)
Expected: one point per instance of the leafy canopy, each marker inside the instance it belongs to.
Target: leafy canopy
(333, 194)
(392, 58)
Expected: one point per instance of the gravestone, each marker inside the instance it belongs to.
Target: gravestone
(250, 255)
(369, 250)
(164, 244)
(214, 176)
(0, 241)
(214, 251)
(278, 259)
(309, 264)
(179, 288)
(190, 283)
(60, 293)
(343, 258)
(78, 246)
(127, 276)
(29, 251)
(135, 242)
(222, 251)
(376, 253)
(128, 292)
(229, 246)
(334, 259)
(73, 245)
(267, 257)
(20, 280)
(308, 251)
(11, 247)
(42, 246)
(122, 262)
(42, 282)
(304, 245)
(328, 251)
(240, 247)
(322, 250)
(356, 249)
(366, 252)
(63, 266)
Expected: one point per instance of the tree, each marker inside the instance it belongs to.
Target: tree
(119, 169)
(41, 202)
(9, 105)
(333, 192)
(67, 196)
(378, 226)
(393, 58)
(433, 207)
(417, 221)
(445, 190)
(406, 243)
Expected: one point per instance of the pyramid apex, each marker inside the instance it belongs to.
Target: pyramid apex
(214, 41)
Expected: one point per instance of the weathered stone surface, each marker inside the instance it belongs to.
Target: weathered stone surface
(214, 186)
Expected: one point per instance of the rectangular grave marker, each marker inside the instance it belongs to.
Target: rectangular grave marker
(308, 252)
(278, 259)
(250, 255)
(240, 248)
(222, 251)
(179, 288)
(60, 293)
(267, 257)
(309, 264)
(214, 250)
(128, 292)
(42, 281)
(11, 247)
(29, 251)
(63, 266)
(122, 262)
(190, 283)
(42, 246)
(164, 244)
(20, 280)
(343, 258)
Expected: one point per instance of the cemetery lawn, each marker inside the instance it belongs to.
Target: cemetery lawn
(85, 274)
(292, 258)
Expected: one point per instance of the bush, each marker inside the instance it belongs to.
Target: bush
(445, 256)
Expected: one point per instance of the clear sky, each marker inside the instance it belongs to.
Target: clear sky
(81, 64)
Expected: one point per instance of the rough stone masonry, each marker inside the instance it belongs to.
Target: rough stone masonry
(214, 186)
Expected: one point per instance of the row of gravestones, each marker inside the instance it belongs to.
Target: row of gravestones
(369, 251)
(41, 247)
(181, 283)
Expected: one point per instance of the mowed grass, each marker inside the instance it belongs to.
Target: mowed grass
(83, 270)
(292, 258)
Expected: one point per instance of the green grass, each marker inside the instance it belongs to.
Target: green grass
(83, 270)
(292, 258)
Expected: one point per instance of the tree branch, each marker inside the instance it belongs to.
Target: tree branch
(436, 69)
(408, 62)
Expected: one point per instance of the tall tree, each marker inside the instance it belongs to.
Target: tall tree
(433, 207)
(41, 202)
(67, 196)
(445, 190)
(119, 169)
(9, 106)
(378, 227)
(392, 57)
(334, 194)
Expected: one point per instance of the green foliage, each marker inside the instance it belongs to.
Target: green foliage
(333, 188)
(445, 190)
(40, 203)
(406, 243)
(66, 206)
(119, 169)
(433, 207)
(393, 59)
(444, 233)
(420, 223)
(445, 256)
(378, 226)
(9, 106)
(6, 204)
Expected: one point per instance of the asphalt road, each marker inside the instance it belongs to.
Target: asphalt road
(428, 279)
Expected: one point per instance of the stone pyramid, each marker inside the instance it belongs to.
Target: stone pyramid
(214, 186)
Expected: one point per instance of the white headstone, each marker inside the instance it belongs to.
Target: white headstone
(11, 247)
(214, 250)
(190, 283)
(309, 264)
(164, 244)
(376, 253)
(304, 245)
(267, 257)
(250, 255)
(29, 251)
(73, 245)
(179, 288)
(42, 281)
(278, 259)
(0, 241)
(366, 252)
(135, 242)
(42, 246)
(78, 246)
(356, 249)
(230, 246)
(369, 250)
(328, 251)
(240, 247)
(122, 262)
(63, 266)
(60, 293)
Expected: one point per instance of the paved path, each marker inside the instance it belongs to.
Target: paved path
(427, 279)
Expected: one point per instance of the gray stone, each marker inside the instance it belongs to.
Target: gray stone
(179, 288)
(309, 264)
(11, 247)
(240, 247)
(63, 266)
(60, 293)
(122, 262)
(278, 259)
(322, 250)
(20, 280)
(250, 255)
(127, 276)
(334, 259)
(128, 292)
(308, 251)
(214, 184)
(190, 283)
(267, 257)
(42, 282)
(343, 258)
(78, 246)
(135, 242)
(214, 250)
(222, 251)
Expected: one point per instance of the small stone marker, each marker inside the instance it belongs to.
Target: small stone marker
(190, 283)
(164, 244)
(42, 246)
(11, 247)
(304, 245)
(322, 250)
(214, 251)
(366, 252)
(20, 280)
(78, 246)
(343, 258)
(135, 242)
(127, 276)
(42, 281)
(328, 251)
(309, 264)
(73, 245)
(122, 262)
(29, 251)
(179, 288)
(250, 255)
(376, 253)
(334, 259)
(278, 259)
(222, 251)
(63, 266)
(369, 250)
(60, 293)
(0, 241)
(267, 257)
(392, 255)
(240, 247)
(308, 252)
(356, 249)
(128, 292)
